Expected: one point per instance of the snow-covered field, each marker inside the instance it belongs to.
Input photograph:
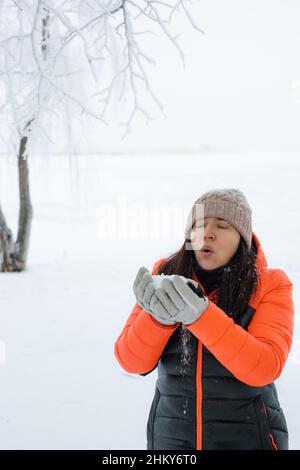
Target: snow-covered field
(97, 219)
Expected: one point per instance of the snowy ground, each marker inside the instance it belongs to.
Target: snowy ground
(61, 387)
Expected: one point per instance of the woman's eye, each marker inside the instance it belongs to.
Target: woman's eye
(201, 226)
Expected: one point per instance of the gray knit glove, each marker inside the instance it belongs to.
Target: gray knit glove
(179, 301)
(145, 293)
(143, 288)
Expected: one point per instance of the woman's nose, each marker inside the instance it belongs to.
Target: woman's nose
(208, 233)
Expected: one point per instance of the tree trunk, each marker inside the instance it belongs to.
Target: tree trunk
(26, 212)
(6, 245)
(13, 255)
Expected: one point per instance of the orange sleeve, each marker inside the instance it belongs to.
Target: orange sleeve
(257, 356)
(142, 340)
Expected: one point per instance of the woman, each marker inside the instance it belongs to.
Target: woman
(217, 354)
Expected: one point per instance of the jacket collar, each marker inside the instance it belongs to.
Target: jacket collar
(261, 261)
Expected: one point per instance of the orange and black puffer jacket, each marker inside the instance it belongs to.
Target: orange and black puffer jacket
(223, 396)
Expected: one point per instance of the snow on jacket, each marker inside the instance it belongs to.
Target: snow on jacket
(226, 397)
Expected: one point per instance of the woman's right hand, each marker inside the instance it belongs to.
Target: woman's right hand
(143, 288)
(145, 293)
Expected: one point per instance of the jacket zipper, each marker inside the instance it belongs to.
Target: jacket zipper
(267, 439)
(199, 398)
(270, 434)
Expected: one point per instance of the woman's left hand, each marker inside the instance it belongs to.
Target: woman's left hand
(192, 306)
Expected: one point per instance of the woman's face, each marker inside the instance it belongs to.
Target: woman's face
(221, 237)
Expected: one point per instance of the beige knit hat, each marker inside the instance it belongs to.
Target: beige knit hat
(228, 204)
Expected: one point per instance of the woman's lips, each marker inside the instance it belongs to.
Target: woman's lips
(206, 251)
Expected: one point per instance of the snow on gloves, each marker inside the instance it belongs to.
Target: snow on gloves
(168, 298)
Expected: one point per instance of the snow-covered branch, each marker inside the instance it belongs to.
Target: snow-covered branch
(79, 55)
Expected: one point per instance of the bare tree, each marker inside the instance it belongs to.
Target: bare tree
(106, 42)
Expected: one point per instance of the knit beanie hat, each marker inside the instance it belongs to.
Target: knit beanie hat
(228, 204)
